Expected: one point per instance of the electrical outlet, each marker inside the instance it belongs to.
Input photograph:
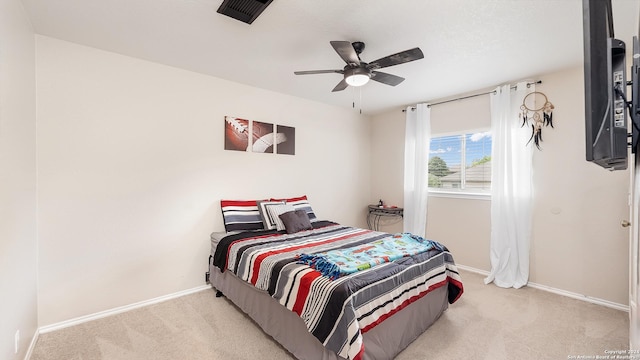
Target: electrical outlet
(17, 340)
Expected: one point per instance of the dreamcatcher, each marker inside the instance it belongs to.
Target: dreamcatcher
(538, 117)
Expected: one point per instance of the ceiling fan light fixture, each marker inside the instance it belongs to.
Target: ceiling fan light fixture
(357, 76)
(358, 72)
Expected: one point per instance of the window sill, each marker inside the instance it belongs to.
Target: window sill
(460, 195)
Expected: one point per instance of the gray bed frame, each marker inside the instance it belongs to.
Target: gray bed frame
(384, 341)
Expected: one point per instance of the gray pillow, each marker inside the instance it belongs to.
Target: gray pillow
(295, 221)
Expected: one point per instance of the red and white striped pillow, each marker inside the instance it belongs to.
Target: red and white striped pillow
(241, 215)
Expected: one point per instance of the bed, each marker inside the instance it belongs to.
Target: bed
(276, 277)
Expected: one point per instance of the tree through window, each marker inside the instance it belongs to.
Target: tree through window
(461, 162)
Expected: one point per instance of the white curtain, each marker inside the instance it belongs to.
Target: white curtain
(416, 168)
(511, 189)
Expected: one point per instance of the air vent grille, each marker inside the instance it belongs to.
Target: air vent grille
(244, 10)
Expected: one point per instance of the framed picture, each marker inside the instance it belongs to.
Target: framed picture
(236, 134)
(286, 140)
(262, 137)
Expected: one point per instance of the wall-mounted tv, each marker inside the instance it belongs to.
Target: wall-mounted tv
(634, 112)
(606, 126)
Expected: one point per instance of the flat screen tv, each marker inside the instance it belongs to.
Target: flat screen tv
(605, 83)
(635, 95)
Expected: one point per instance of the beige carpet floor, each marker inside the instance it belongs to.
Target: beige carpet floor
(486, 323)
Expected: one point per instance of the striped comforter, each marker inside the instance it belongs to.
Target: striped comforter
(337, 312)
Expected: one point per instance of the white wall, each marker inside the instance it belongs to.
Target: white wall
(577, 244)
(132, 170)
(18, 243)
(578, 206)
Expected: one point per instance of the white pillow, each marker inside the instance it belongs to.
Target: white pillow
(266, 218)
(274, 214)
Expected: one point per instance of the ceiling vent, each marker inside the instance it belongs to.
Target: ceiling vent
(243, 10)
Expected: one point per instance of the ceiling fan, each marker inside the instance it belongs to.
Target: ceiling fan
(358, 72)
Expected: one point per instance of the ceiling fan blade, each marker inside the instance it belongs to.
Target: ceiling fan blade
(346, 51)
(309, 72)
(395, 59)
(385, 78)
(341, 86)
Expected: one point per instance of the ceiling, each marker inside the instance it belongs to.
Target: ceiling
(468, 44)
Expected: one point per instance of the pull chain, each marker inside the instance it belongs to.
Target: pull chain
(353, 93)
(353, 97)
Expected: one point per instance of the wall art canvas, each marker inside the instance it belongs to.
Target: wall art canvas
(286, 140)
(262, 136)
(236, 134)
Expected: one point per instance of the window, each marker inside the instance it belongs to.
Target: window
(461, 163)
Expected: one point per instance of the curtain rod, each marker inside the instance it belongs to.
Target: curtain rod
(472, 96)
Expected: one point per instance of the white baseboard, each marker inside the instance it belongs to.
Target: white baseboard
(32, 345)
(118, 310)
(472, 269)
(589, 299)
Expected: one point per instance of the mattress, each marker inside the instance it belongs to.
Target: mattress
(217, 236)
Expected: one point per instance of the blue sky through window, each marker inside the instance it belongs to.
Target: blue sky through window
(448, 148)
